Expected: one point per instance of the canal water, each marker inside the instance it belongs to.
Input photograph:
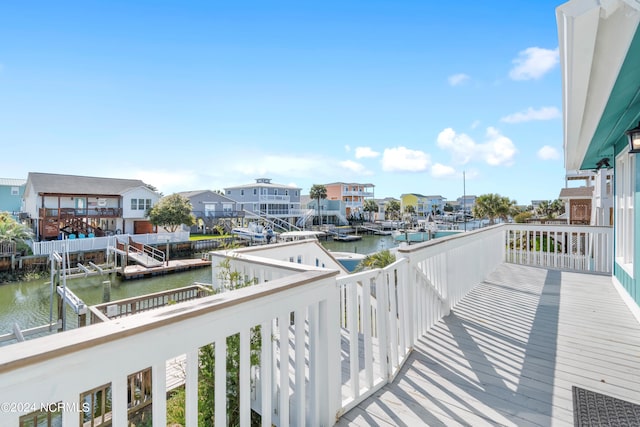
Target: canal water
(27, 303)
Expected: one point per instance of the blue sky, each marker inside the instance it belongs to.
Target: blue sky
(191, 95)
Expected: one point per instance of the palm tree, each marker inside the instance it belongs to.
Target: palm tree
(13, 232)
(493, 206)
(557, 206)
(393, 208)
(369, 206)
(378, 260)
(544, 209)
(317, 192)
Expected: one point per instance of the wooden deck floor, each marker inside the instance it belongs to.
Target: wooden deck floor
(510, 353)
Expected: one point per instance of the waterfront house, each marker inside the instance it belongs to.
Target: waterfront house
(418, 201)
(352, 195)
(265, 201)
(210, 209)
(11, 191)
(423, 205)
(466, 203)
(591, 202)
(73, 206)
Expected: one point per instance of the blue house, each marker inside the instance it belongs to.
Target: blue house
(11, 191)
(600, 59)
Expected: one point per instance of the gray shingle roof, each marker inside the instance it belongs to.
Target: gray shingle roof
(72, 184)
(12, 182)
(576, 192)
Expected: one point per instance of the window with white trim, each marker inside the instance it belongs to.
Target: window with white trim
(625, 173)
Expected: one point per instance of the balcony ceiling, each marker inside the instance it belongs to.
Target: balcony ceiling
(600, 57)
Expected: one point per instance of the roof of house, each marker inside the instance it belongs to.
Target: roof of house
(194, 193)
(261, 184)
(576, 193)
(73, 184)
(12, 182)
(351, 183)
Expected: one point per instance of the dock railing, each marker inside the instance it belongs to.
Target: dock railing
(347, 335)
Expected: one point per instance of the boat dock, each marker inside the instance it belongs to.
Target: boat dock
(140, 271)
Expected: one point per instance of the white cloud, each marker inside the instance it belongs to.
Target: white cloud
(498, 150)
(544, 113)
(458, 79)
(441, 171)
(402, 159)
(548, 153)
(354, 167)
(461, 146)
(365, 152)
(533, 63)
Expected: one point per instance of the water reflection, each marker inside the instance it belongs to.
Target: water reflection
(28, 303)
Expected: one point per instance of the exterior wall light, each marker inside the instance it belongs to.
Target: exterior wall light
(634, 139)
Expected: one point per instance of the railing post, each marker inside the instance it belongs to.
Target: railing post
(119, 401)
(159, 393)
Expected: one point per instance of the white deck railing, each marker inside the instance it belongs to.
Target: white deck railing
(339, 338)
(100, 243)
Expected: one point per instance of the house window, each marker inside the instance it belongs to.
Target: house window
(242, 192)
(275, 192)
(286, 192)
(255, 191)
(140, 204)
(229, 192)
(625, 174)
(15, 191)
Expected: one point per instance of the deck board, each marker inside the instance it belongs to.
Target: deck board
(510, 352)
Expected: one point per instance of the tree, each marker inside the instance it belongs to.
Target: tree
(317, 192)
(369, 206)
(493, 206)
(171, 212)
(231, 280)
(12, 231)
(377, 260)
(557, 207)
(392, 207)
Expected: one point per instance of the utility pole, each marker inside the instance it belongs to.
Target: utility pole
(464, 201)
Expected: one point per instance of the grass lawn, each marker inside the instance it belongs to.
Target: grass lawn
(208, 236)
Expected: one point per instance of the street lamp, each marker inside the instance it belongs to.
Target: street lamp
(634, 139)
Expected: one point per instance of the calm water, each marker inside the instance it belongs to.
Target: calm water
(27, 303)
(369, 244)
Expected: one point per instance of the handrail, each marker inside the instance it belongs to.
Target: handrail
(342, 336)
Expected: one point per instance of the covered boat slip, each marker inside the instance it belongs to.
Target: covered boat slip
(510, 353)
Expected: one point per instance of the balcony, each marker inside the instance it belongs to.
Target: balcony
(83, 213)
(488, 327)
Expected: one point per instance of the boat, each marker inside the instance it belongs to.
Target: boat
(293, 236)
(346, 237)
(348, 260)
(253, 232)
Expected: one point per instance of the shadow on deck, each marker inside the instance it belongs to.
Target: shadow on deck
(510, 353)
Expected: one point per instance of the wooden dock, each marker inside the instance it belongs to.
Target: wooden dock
(510, 353)
(172, 266)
